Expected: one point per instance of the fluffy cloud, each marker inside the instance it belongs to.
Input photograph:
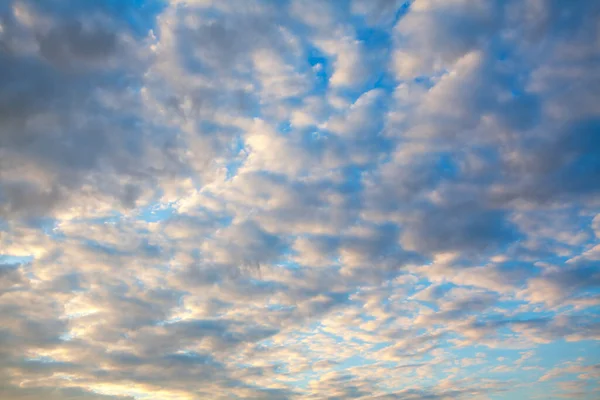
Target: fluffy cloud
(299, 199)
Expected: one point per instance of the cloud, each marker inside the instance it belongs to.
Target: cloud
(556, 285)
(298, 199)
(437, 33)
(377, 12)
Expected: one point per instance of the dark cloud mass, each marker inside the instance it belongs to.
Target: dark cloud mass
(299, 199)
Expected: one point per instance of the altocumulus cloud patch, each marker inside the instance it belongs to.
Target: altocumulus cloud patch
(299, 199)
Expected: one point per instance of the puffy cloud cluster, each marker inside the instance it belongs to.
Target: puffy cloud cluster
(300, 199)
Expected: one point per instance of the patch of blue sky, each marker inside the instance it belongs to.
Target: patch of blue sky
(353, 178)
(232, 169)
(169, 321)
(142, 16)
(520, 390)
(156, 212)
(139, 284)
(143, 9)
(402, 10)
(263, 284)
(239, 152)
(377, 80)
(377, 41)
(447, 166)
(560, 351)
(384, 81)
(373, 37)
(42, 360)
(12, 260)
(302, 380)
(288, 263)
(380, 346)
(427, 81)
(515, 307)
(280, 307)
(546, 357)
(321, 68)
(354, 361)
(495, 356)
(284, 127)
(67, 337)
(212, 128)
(112, 217)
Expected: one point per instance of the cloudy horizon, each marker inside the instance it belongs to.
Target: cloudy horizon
(299, 199)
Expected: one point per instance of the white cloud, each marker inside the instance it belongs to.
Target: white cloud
(296, 200)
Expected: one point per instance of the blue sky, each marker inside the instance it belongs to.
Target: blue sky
(299, 199)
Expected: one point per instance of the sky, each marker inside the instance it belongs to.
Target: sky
(299, 199)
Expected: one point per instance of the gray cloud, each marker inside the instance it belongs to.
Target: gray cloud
(299, 199)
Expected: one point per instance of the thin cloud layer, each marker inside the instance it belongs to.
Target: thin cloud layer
(299, 199)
